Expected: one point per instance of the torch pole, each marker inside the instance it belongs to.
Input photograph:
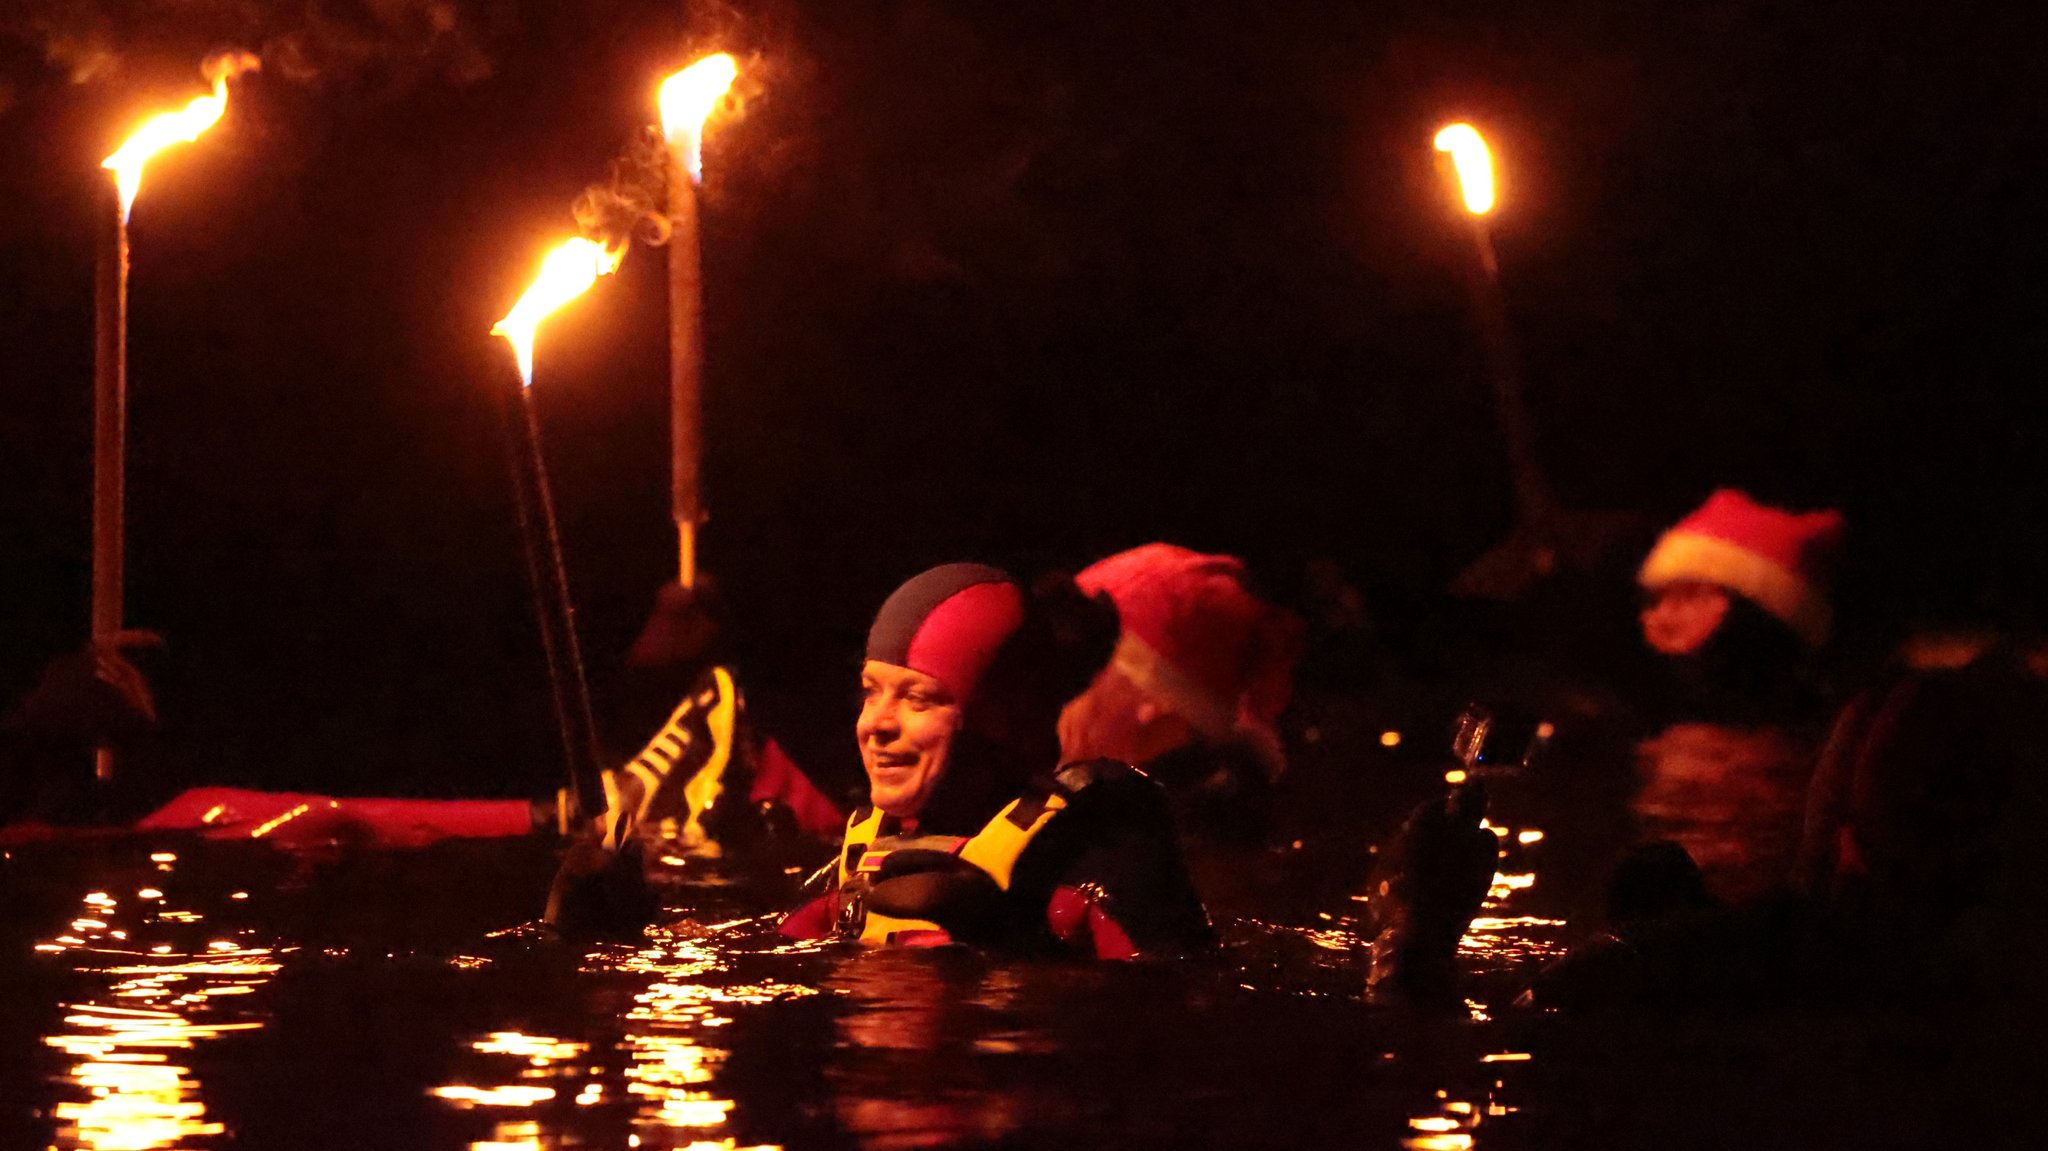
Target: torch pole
(538, 584)
(109, 443)
(686, 363)
(1533, 498)
(572, 698)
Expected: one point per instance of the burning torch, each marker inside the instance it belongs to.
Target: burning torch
(1471, 172)
(110, 347)
(686, 100)
(566, 273)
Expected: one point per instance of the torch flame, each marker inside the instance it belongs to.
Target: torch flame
(686, 100)
(1474, 164)
(567, 273)
(180, 127)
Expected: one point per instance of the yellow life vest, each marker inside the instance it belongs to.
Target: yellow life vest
(994, 849)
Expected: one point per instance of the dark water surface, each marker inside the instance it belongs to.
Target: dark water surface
(172, 994)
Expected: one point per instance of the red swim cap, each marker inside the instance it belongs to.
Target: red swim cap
(948, 623)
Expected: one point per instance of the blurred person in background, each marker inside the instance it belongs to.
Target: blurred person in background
(1202, 670)
(1736, 602)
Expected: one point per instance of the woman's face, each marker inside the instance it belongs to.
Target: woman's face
(1680, 617)
(906, 729)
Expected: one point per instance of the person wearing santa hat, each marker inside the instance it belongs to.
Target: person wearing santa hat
(1776, 560)
(1202, 669)
(972, 832)
(1735, 604)
(1736, 601)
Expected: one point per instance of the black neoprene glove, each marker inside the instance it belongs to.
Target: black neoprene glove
(940, 887)
(600, 893)
(1433, 878)
(92, 697)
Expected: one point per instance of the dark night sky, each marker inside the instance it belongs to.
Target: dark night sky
(1017, 282)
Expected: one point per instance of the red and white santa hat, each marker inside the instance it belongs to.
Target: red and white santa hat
(1195, 636)
(1778, 559)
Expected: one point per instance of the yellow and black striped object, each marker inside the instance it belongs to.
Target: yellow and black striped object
(665, 790)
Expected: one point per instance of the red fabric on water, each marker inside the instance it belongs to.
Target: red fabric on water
(813, 920)
(36, 831)
(1110, 939)
(777, 777)
(292, 819)
(1077, 921)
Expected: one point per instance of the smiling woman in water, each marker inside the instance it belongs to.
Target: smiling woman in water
(972, 832)
(906, 729)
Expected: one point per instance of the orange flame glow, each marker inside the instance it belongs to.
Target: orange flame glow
(686, 101)
(1474, 163)
(567, 273)
(180, 127)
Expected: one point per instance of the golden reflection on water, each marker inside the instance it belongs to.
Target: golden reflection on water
(1495, 941)
(1498, 940)
(669, 1069)
(527, 1136)
(531, 1057)
(508, 1096)
(539, 1050)
(129, 1041)
(1456, 1121)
